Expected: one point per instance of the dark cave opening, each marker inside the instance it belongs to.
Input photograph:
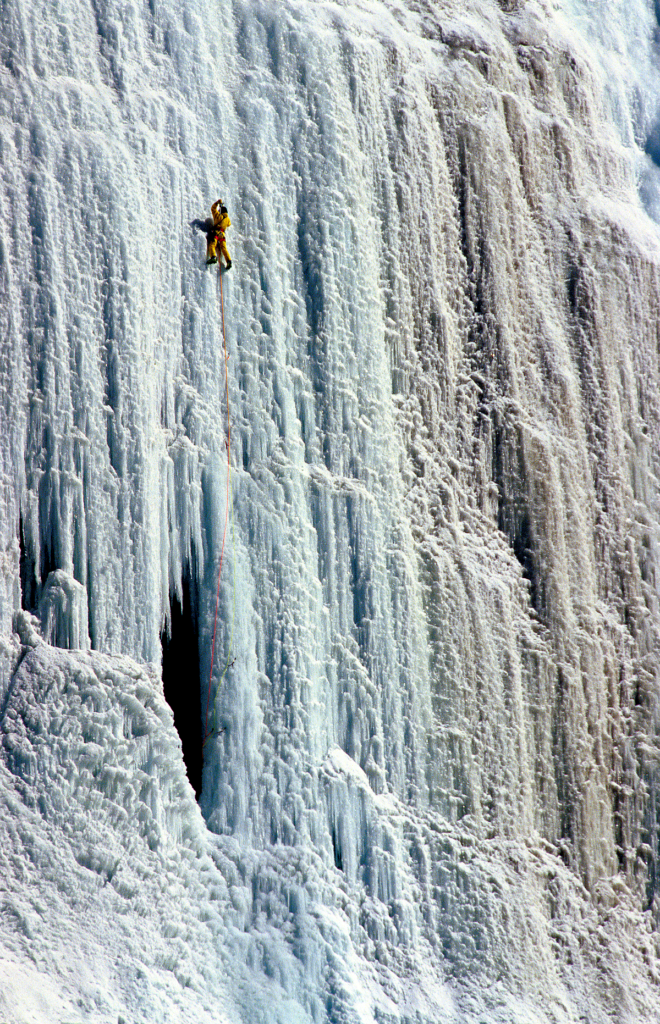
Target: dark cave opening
(181, 677)
(652, 144)
(336, 849)
(28, 572)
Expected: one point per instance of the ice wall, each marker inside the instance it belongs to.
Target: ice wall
(430, 789)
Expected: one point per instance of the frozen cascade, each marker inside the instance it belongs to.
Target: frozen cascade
(431, 789)
(64, 611)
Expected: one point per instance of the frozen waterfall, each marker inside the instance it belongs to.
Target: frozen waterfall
(429, 792)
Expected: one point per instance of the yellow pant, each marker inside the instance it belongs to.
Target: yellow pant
(211, 244)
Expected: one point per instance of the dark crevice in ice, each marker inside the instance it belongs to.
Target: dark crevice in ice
(508, 472)
(566, 796)
(648, 850)
(336, 847)
(28, 571)
(181, 676)
(652, 144)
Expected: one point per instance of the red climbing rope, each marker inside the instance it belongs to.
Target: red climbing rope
(224, 535)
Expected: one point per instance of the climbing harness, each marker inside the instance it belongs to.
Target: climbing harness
(229, 662)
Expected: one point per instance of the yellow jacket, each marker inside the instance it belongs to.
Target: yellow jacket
(221, 221)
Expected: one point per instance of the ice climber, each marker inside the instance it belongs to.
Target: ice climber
(216, 234)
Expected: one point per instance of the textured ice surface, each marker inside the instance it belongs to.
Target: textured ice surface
(429, 792)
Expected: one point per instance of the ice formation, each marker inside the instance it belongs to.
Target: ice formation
(429, 789)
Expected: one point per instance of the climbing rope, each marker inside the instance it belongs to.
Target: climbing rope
(207, 734)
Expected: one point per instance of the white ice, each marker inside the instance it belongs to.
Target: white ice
(430, 791)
